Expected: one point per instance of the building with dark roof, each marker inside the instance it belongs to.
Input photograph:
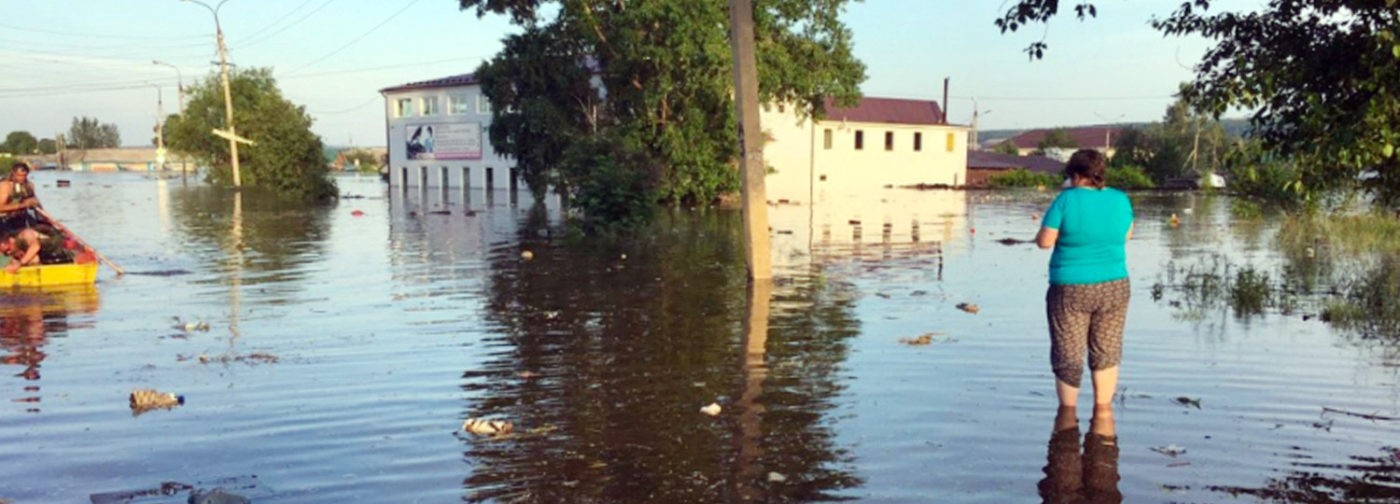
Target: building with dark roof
(982, 165)
(1088, 137)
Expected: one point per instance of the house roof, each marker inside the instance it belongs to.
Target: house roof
(887, 110)
(1092, 137)
(465, 79)
(988, 160)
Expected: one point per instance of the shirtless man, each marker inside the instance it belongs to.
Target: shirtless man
(16, 198)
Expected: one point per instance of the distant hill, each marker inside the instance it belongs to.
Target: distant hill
(1233, 127)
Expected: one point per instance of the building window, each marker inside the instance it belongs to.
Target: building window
(889, 140)
(860, 139)
(918, 141)
(430, 105)
(458, 104)
(826, 139)
(950, 142)
(483, 105)
(403, 107)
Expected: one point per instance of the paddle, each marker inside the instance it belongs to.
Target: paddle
(79, 239)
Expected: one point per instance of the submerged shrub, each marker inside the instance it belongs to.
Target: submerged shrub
(1128, 178)
(1022, 177)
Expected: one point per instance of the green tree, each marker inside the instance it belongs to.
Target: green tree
(47, 146)
(1007, 147)
(1058, 138)
(88, 133)
(1133, 147)
(287, 156)
(20, 142)
(666, 69)
(1318, 76)
(1185, 143)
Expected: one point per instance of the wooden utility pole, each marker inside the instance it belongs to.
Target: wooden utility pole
(751, 167)
(231, 134)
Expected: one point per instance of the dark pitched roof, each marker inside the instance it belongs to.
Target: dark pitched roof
(1089, 137)
(988, 160)
(455, 80)
(887, 110)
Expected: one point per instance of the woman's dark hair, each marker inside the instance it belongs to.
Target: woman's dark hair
(1088, 163)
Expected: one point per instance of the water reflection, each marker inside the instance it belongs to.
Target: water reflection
(606, 383)
(1087, 477)
(272, 239)
(28, 320)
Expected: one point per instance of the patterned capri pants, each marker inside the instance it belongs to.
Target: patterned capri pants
(1086, 317)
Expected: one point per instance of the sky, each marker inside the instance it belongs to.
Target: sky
(61, 59)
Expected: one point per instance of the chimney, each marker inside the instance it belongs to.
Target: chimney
(945, 100)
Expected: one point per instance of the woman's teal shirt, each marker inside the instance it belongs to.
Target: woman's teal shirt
(1093, 225)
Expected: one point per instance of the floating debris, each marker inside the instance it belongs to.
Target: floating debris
(713, 409)
(969, 307)
(217, 496)
(775, 477)
(1187, 401)
(143, 400)
(1012, 241)
(357, 213)
(527, 374)
(485, 427)
(1169, 450)
(921, 340)
(192, 326)
(527, 255)
(1174, 221)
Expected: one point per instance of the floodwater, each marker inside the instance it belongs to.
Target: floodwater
(345, 349)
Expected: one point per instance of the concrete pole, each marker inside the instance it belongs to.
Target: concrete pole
(756, 247)
(228, 103)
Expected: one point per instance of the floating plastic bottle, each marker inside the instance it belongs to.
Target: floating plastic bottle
(143, 400)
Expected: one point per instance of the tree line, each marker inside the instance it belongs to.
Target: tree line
(85, 133)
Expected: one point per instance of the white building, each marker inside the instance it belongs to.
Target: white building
(437, 136)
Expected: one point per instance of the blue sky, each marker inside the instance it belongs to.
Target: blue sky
(65, 58)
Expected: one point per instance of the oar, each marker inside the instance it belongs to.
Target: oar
(80, 241)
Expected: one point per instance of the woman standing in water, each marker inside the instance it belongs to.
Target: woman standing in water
(1088, 225)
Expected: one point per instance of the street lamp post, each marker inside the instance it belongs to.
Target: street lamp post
(1108, 128)
(179, 83)
(160, 128)
(228, 96)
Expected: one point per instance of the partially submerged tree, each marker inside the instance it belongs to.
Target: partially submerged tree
(1318, 76)
(1058, 138)
(287, 157)
(651, 85)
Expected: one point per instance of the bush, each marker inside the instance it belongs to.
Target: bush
(612, 180)
(1022, 177)
(1128, 178)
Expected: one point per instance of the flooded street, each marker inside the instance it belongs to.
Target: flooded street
(347, 344)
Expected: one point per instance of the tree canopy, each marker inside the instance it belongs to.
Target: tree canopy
(287, 156)
(1318, 77)
(649, 86)
(20, 142)
(88, 133)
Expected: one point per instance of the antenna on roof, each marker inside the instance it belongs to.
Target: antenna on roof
(945, 100)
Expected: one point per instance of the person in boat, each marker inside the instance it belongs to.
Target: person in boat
(32, 248)
(16, 198)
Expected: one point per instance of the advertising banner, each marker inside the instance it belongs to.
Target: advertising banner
(443, 141)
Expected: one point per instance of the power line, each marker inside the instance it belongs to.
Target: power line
(359, 38)
(1068, 98)
(99, 35)
(252, 42)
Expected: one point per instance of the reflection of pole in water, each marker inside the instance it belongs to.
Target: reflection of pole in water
(236, 271)
(754, 372)
(163, 203)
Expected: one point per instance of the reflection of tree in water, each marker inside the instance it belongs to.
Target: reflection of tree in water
(277, 234)
(1363, 479)
(604, 362)
(28, 319)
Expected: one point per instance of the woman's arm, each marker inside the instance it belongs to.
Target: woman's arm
(1047, 237)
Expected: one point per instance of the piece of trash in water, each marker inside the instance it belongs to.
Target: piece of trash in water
(1169, 450)
(969, 307)
(485, 427)
(527, 255)
(774, 477)
(357, 213)
(527, 374)
(1012, 241)
(624, 257)
(193, 326)
(1187, 401)
(882, 295)
(713, 409)
(1035, 216)
(1174, 221)
(64, 183)
(923, 339)
(217, 491)
(143, 400)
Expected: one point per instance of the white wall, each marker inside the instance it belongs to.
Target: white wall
(471, 173)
